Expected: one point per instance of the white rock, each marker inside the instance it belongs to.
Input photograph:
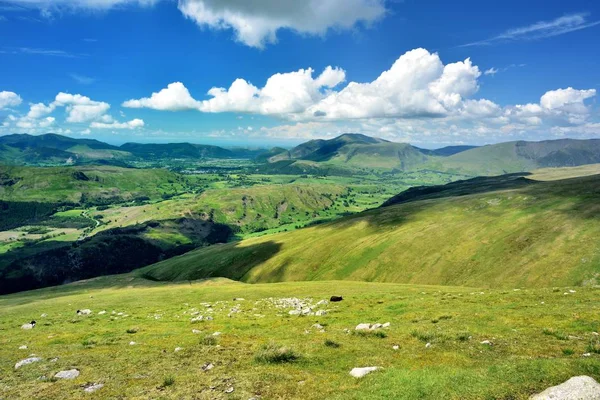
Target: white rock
(294, 312)
(229, 390)
(102, 313)
(132, 343)
(321, 313)
(360, 372)
(362, 327)
(586, 355)
(217, 334)
(386, 325)
(317, 326)
(207, 366)
(69, 374)
(395, 347)
(428, 345)
(487, 342)
(27, 361)
(576, 388)
(572, 291)
(376, 326)
(93, 388)
(196, 331)
(178, 349)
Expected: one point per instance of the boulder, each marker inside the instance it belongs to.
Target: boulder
(27, 361)
(360, 372)
(68, 374)
(362, 327)
(576, 388)
(92, 388)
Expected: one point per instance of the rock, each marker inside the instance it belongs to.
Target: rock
(576, 388)
(386, 325)
(317, 326)
(320, 313)
(486, 342)
(86, 311)
(586, 355)
(322, 303)
(93, 387)
(69, 374)
(178, 349)
(23, 347)
(102, 313)
(294, 312)
(360, 372)
(428, 345)
(55, 359)
(238, 299)
(335, 299)
(27, 361)
(132, 343)
(28, 326)
(376, 326)
(196, 331)
(229, 389)
(396, 347)
(362, 327)
(217, 334)
(572, 291)
(207, 367)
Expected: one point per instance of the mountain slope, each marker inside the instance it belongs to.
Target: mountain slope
(534, 235)
(521, 156)
(176, 150)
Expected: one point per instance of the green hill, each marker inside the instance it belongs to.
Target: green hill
(534, 234)
(176, 150)
(521, 156)
(92, 184)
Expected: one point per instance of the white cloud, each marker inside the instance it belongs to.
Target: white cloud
(283, 93)
(568, 97)
(9, 99)
(30, 123)
(81, 108)
(540, 30)
(175, 97)
(256, 23)
(133, 124)
(492, 71)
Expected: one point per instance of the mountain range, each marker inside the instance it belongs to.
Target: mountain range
(345, 154)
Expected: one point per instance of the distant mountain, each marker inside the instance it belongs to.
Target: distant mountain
(520, 156)
(446, 151)
(176, 150)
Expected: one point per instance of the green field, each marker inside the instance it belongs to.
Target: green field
(538, 338)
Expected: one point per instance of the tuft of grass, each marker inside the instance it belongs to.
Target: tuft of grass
(331, 343)
(555, 333)
(275, 354)
(168, 381)
(208, 340)
(593, 346)
(428, 336)
(463, 336)
(379, 334)
(568, 352)
(89, 343)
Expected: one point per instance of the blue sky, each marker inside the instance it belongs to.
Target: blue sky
(457, 72)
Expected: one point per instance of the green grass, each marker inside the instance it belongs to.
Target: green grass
(252, 353)
(539, 235)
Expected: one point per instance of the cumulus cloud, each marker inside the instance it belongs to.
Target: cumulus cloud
(133, 124)
(283, 93)
(256, 23)
(9, 99)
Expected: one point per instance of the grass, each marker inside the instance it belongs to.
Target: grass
(273, 353)
(256, 343)
(538, 235)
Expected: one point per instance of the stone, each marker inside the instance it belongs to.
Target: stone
(386, 325)
(207, 367)
(396, 347)
(335, 299)
(428, 345)
(68, 374)
(93, 387)
(86, 311)
(320, 313)
(178, 349)
(317, 326)
(27, 361)
(362, 327)
(360, 372)
(217, 334)
(229, 389)
(23, 347)
(196, 331)
(294, 312)
(132, 343)
(486, 342)
(577, 388)
(102, 313)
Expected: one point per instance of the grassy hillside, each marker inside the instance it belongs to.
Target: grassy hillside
(538, 338)
(95, 184)
(535, 235)
(520, 156)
